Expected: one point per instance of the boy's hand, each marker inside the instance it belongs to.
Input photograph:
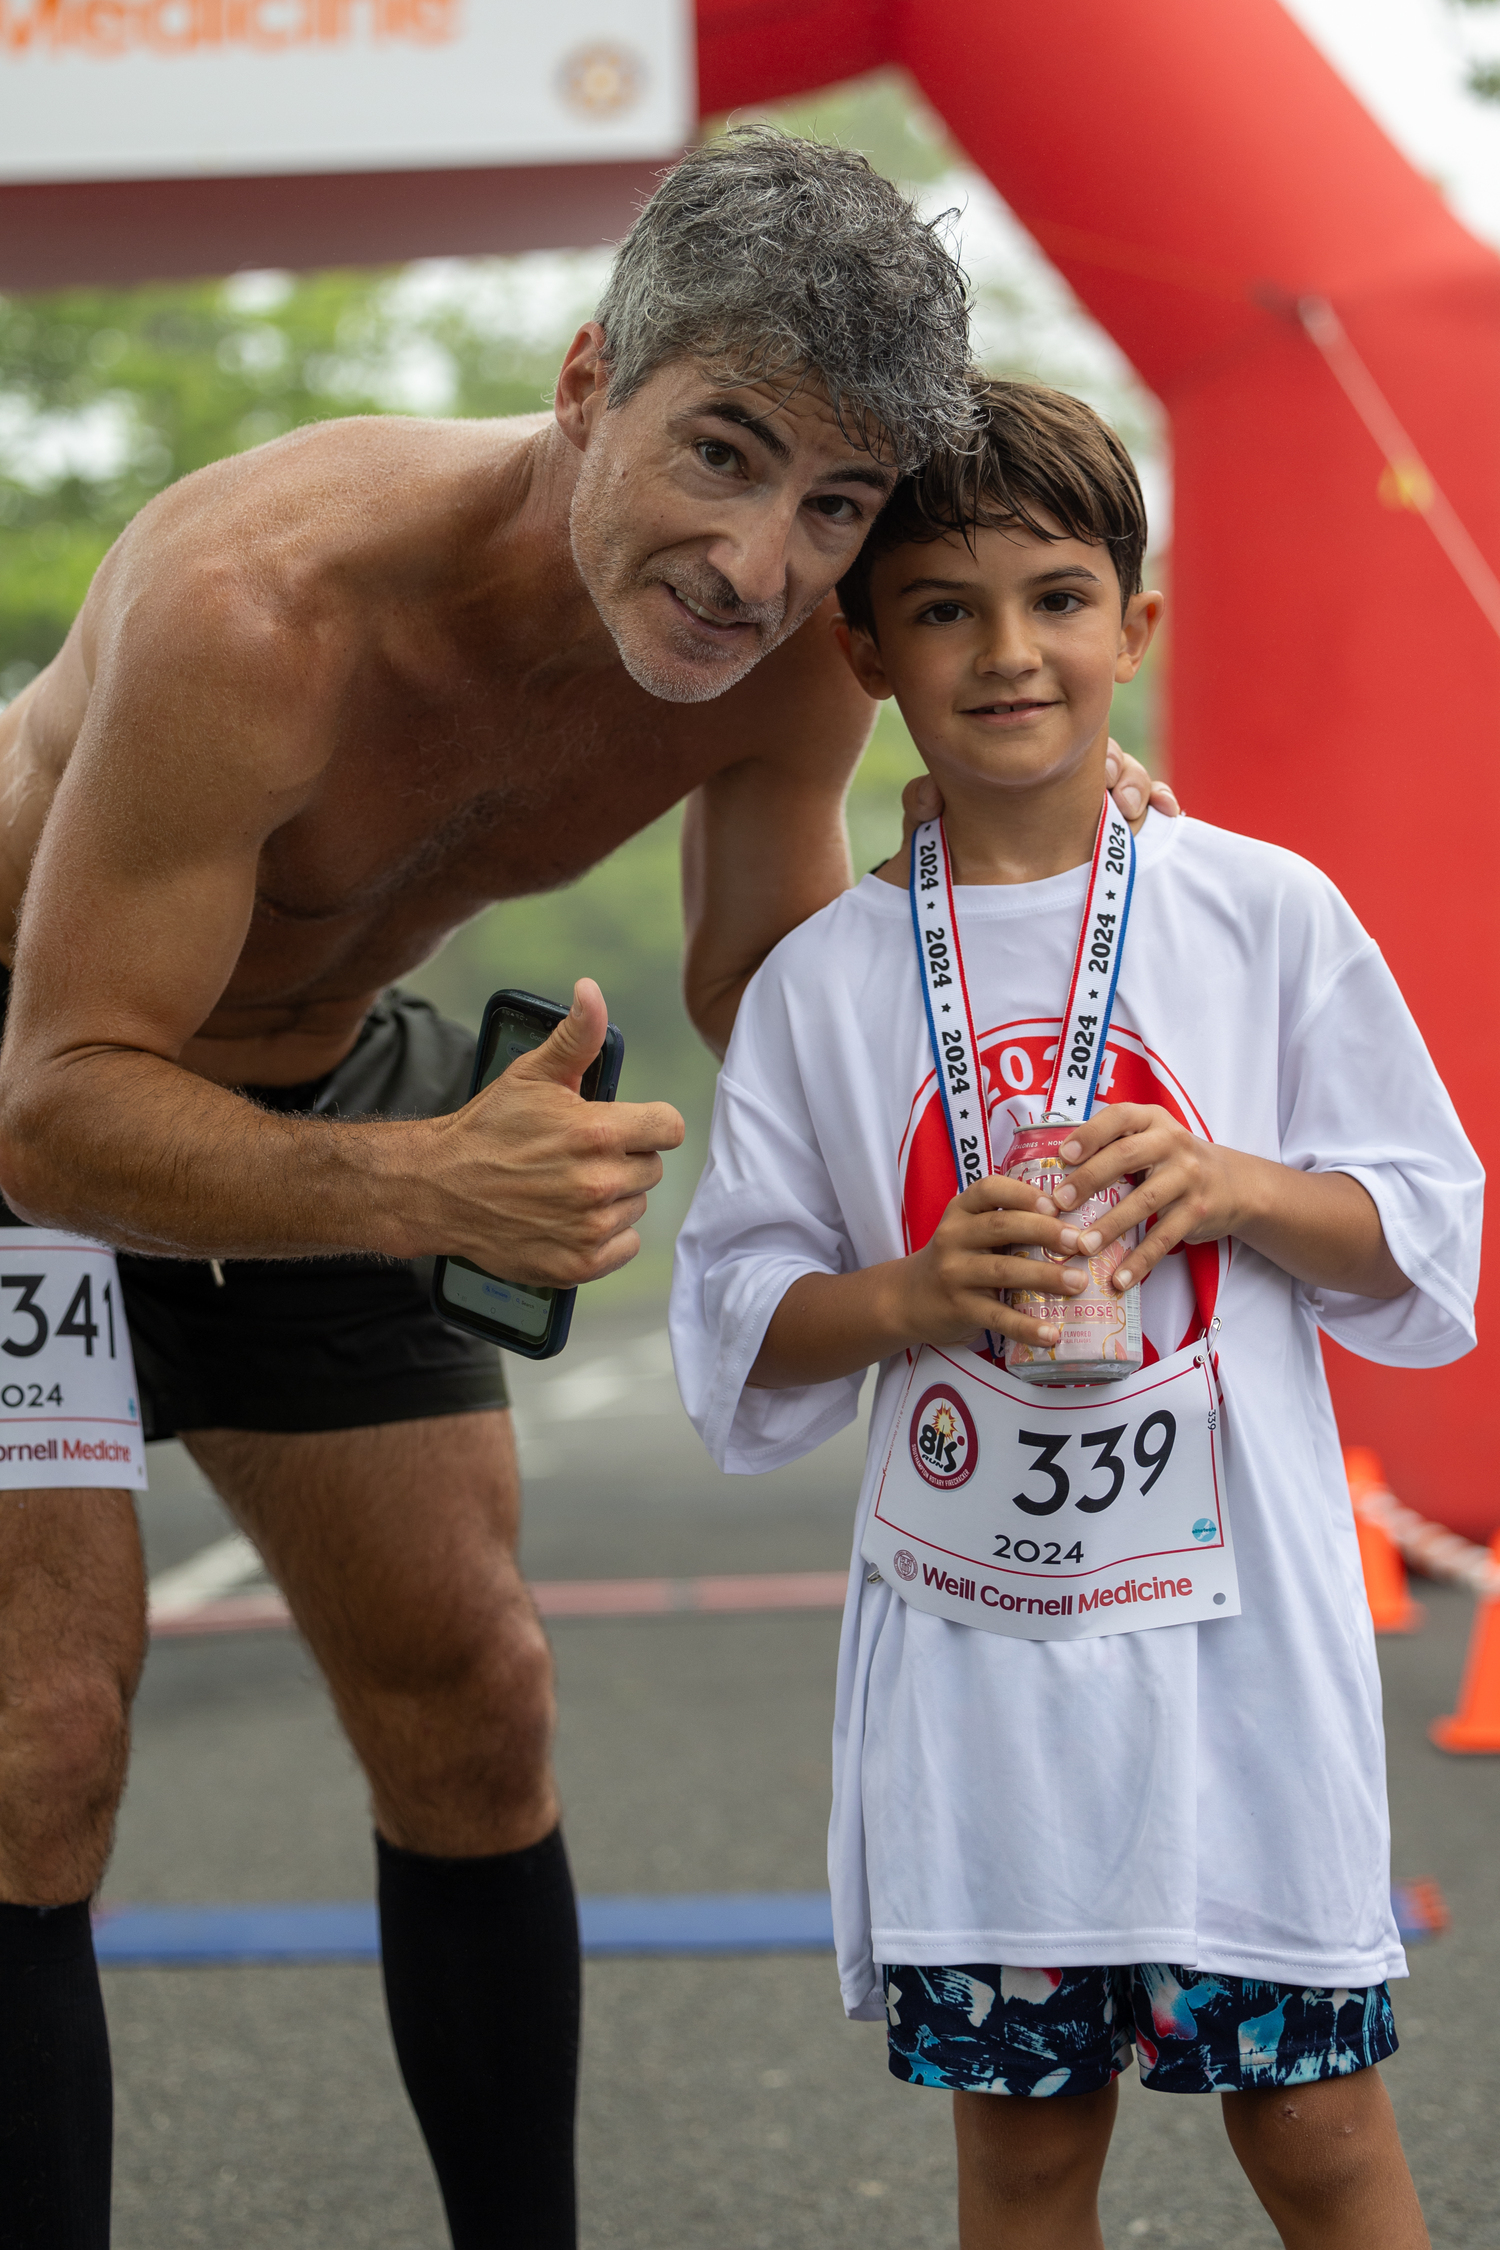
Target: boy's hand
(1321, 1227)
(1190, 1187)
(950, 1290)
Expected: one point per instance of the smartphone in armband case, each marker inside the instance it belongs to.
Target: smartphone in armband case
(516, 1315)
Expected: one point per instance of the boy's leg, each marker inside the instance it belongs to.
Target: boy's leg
(1326, 2161)
(1031, 2057)
(1304, 2106)
(1029, 2168)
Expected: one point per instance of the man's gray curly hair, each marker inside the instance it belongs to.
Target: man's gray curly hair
(774, 258)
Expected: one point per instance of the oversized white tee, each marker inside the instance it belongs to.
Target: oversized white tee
(1211, 1794)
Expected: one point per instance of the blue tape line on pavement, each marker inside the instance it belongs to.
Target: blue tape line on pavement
(714, 1922)
(166, 1936)
(345, 1930)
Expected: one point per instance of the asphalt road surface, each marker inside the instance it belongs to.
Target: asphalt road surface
(726, 2102)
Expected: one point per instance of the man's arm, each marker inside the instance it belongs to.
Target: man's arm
(763, 842)
(206, 731)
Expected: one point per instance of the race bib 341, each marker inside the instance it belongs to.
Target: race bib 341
(70, 1413)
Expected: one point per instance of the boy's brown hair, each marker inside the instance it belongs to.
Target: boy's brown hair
(1038, 450)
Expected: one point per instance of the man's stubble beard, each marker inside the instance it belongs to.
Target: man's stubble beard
(689, 680)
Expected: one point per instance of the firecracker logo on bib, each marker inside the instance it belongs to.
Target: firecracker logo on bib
(944, 1441)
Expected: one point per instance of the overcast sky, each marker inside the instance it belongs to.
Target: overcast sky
(1406, 61)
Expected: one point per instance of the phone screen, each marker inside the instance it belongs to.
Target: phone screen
(527, 1311)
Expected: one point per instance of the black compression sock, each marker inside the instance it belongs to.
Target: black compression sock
(56, 2097)
(482, 1985)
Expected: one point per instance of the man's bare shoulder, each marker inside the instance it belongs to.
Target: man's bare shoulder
(380, 495)
(280, 567)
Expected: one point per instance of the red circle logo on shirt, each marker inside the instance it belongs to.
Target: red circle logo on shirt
(944, 1441)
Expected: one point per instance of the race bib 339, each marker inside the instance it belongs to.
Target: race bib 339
(1056, 1512)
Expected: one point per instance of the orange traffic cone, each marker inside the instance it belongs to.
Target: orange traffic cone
(1475, 1725)
(1391, 1606)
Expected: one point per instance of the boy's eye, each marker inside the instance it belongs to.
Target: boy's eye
(1061, 602)
(942, 613)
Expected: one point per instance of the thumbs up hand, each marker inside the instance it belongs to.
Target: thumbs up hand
(537, 1185)
(562, 1059)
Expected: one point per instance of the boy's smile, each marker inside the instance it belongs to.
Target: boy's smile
(1003, 656)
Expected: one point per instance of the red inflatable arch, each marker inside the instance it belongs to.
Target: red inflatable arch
(1197, 173)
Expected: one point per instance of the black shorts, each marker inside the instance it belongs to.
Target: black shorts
(316, 1343)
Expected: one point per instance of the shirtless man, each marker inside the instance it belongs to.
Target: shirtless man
(325, 701)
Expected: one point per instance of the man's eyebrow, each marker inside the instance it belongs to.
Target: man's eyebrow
(740, 418)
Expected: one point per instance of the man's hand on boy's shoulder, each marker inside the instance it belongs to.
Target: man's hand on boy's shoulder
(1133, 789)
(1321, 1227)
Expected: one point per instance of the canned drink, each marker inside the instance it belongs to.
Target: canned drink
(1101, 1326)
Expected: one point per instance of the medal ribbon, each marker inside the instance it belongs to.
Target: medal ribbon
(950, 1019)
(1087, 1010)
(1096, 970)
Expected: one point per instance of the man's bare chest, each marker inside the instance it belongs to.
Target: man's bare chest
(486, 798)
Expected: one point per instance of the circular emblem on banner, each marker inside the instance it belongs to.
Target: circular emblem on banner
(906, 1563)
(944, 1441)
(601, 79)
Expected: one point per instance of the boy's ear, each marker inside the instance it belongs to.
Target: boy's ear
(862, 652)
(1143, 613)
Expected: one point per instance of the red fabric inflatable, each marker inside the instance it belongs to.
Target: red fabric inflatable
(1194, 172)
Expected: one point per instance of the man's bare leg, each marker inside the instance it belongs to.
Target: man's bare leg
(1029, 2169)
(72, 1638)
(1327, 2163)
(396, 1549)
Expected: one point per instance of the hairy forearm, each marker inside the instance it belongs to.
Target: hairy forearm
(139, 1153)
(1320, 1227)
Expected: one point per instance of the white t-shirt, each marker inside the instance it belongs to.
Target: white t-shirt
(1204, 1794)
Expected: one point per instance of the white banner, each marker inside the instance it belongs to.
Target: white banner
(153, 89)
(70, 1413)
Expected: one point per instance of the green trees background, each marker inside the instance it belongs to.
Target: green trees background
(108, 395)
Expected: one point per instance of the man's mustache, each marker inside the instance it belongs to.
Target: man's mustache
(712, 591)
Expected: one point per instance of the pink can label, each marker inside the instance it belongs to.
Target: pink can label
(1101, 1327)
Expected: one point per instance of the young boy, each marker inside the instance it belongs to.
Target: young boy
(1114, 1774)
